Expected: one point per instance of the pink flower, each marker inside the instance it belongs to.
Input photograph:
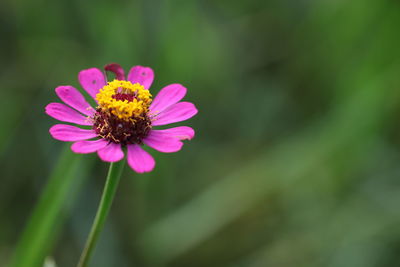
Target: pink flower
(124, 117)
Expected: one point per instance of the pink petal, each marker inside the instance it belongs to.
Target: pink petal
(163, 142)
(72, 97)
(168, 96)
(64, 113)
(178, 112)
(111, 153)
(117, 69)
(180, 133)
(92, 80)
(67, 133)
(85, 147)
(142, 75)
(139, 160)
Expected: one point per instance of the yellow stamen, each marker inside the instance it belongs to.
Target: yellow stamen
(124, 109)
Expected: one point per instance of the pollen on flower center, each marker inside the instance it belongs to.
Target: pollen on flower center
(122, 113)
(125, 100)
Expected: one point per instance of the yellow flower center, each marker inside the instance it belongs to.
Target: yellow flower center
(125, 100)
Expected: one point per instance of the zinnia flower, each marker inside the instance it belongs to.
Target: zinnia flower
(125, 116)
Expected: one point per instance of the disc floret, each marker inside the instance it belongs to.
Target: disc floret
(122, 113)
(125, 100)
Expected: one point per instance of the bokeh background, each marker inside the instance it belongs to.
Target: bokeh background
(296, 156)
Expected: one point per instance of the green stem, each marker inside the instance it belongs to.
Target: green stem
(114, 174)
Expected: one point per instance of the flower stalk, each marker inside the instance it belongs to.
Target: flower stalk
(110, 188)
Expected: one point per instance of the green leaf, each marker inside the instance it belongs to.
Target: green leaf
(49, 213)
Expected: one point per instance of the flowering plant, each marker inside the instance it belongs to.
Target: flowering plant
(123, 118)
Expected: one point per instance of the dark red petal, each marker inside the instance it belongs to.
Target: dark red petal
(116, 69)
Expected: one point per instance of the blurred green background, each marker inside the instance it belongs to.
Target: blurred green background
(296, 156)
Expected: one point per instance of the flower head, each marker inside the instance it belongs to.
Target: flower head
(124, 117)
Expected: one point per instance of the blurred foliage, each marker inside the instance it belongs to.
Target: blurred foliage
(296, 155)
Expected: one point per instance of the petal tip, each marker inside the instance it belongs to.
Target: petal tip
(139, 160)
(92, 80)
(105, 159)
(86, 147)
(142, 75)
(189, 134)
(111, 153)
(116, 69)
(178, 112)
(49, 109)
(74, 148)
